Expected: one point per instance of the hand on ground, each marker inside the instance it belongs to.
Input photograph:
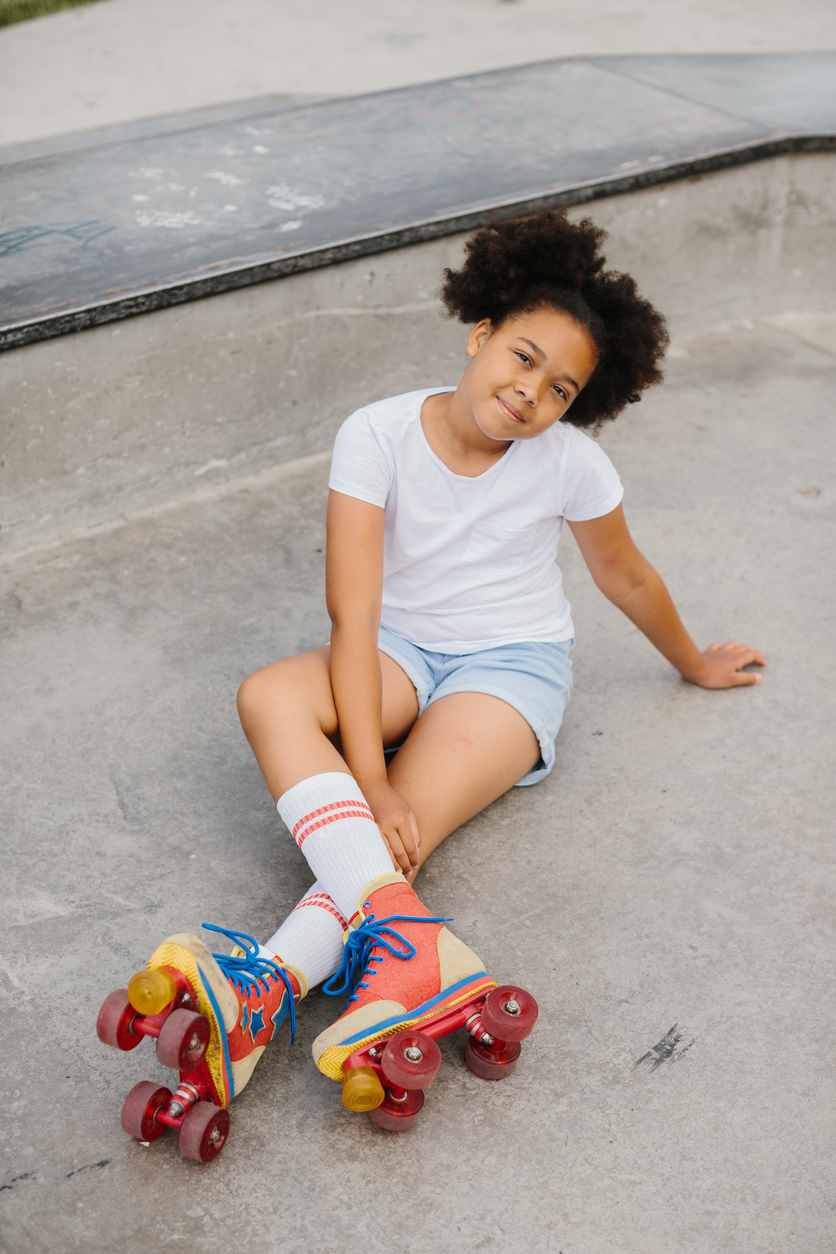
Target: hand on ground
(398, 825)
(722, 663)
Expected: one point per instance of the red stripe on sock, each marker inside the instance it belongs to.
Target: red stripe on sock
(334, 805)
(325, 903)
(331, 818)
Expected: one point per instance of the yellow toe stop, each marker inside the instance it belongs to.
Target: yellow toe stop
(149, 992)
(362, 1089)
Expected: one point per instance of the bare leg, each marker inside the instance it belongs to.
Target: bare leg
(463, 752)
(288, 715)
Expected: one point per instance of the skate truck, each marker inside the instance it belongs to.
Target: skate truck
(387, 1078)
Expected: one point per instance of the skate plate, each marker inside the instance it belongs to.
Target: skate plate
(387, 1077)
(193, 1109)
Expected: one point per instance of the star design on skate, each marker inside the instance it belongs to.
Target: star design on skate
(256, 1022)
(277, 1019)
(245, 1020)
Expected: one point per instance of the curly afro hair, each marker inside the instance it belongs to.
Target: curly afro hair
(545, 261)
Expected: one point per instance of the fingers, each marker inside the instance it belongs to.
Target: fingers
(413, 823)
(739, 680)
(736, 654)
(411, 838)
(401, 847)
(725, 662)
(745, 655)
(397, 853)
(730, 646)
(397, 825)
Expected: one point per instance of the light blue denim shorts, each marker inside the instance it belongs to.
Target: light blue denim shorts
(534, 677)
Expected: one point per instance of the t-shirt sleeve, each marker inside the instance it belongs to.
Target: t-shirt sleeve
(360, 467)
(591, 486)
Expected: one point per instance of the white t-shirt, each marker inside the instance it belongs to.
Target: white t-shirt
(469, 564)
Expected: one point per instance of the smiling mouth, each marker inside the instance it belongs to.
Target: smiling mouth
(509, 411)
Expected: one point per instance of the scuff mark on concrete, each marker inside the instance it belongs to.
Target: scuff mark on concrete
(88, 1167)
(664, 1050)
(120, 800)
(26, 1175)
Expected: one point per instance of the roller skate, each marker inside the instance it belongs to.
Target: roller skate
(212, 1016)
(412, 982)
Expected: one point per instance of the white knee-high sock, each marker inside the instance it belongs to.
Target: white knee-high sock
(331, 823)
(311, 937)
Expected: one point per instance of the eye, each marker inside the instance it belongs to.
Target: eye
(560, 391)
(523, 357)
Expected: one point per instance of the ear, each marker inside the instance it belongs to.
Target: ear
(480, 333)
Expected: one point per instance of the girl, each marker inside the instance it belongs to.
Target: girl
(450, 641)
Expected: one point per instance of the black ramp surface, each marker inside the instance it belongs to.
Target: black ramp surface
(123, 227)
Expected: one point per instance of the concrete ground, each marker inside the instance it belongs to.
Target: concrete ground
(666, 894)
(119, 60)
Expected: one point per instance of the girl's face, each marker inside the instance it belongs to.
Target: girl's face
(525, 373)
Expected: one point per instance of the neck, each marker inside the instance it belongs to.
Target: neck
(453, 434)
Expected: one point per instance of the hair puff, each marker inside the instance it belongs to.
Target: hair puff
(515, 266)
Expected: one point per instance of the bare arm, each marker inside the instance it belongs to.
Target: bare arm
(353, 590)
(627, 579)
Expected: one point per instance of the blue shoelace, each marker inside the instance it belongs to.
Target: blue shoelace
(248, 971)
(358, 952)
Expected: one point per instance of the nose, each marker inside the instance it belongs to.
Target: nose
(528, 394)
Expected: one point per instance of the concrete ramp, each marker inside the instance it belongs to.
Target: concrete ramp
(145, 221)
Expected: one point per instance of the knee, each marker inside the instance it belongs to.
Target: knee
(254, 694)
(281, 691)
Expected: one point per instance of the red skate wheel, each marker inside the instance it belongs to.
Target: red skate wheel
(410, 1060)
(139, 1114)
(204, 1132)
(509, 1013)
(398, 1116)
(114, 1024)
(183, 1040)
(491, 1064)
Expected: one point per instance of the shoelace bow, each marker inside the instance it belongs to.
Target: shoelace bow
(358, 952)
(247, 971)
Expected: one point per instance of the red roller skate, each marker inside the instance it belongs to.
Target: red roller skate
(212, 1015)
(413, 982)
